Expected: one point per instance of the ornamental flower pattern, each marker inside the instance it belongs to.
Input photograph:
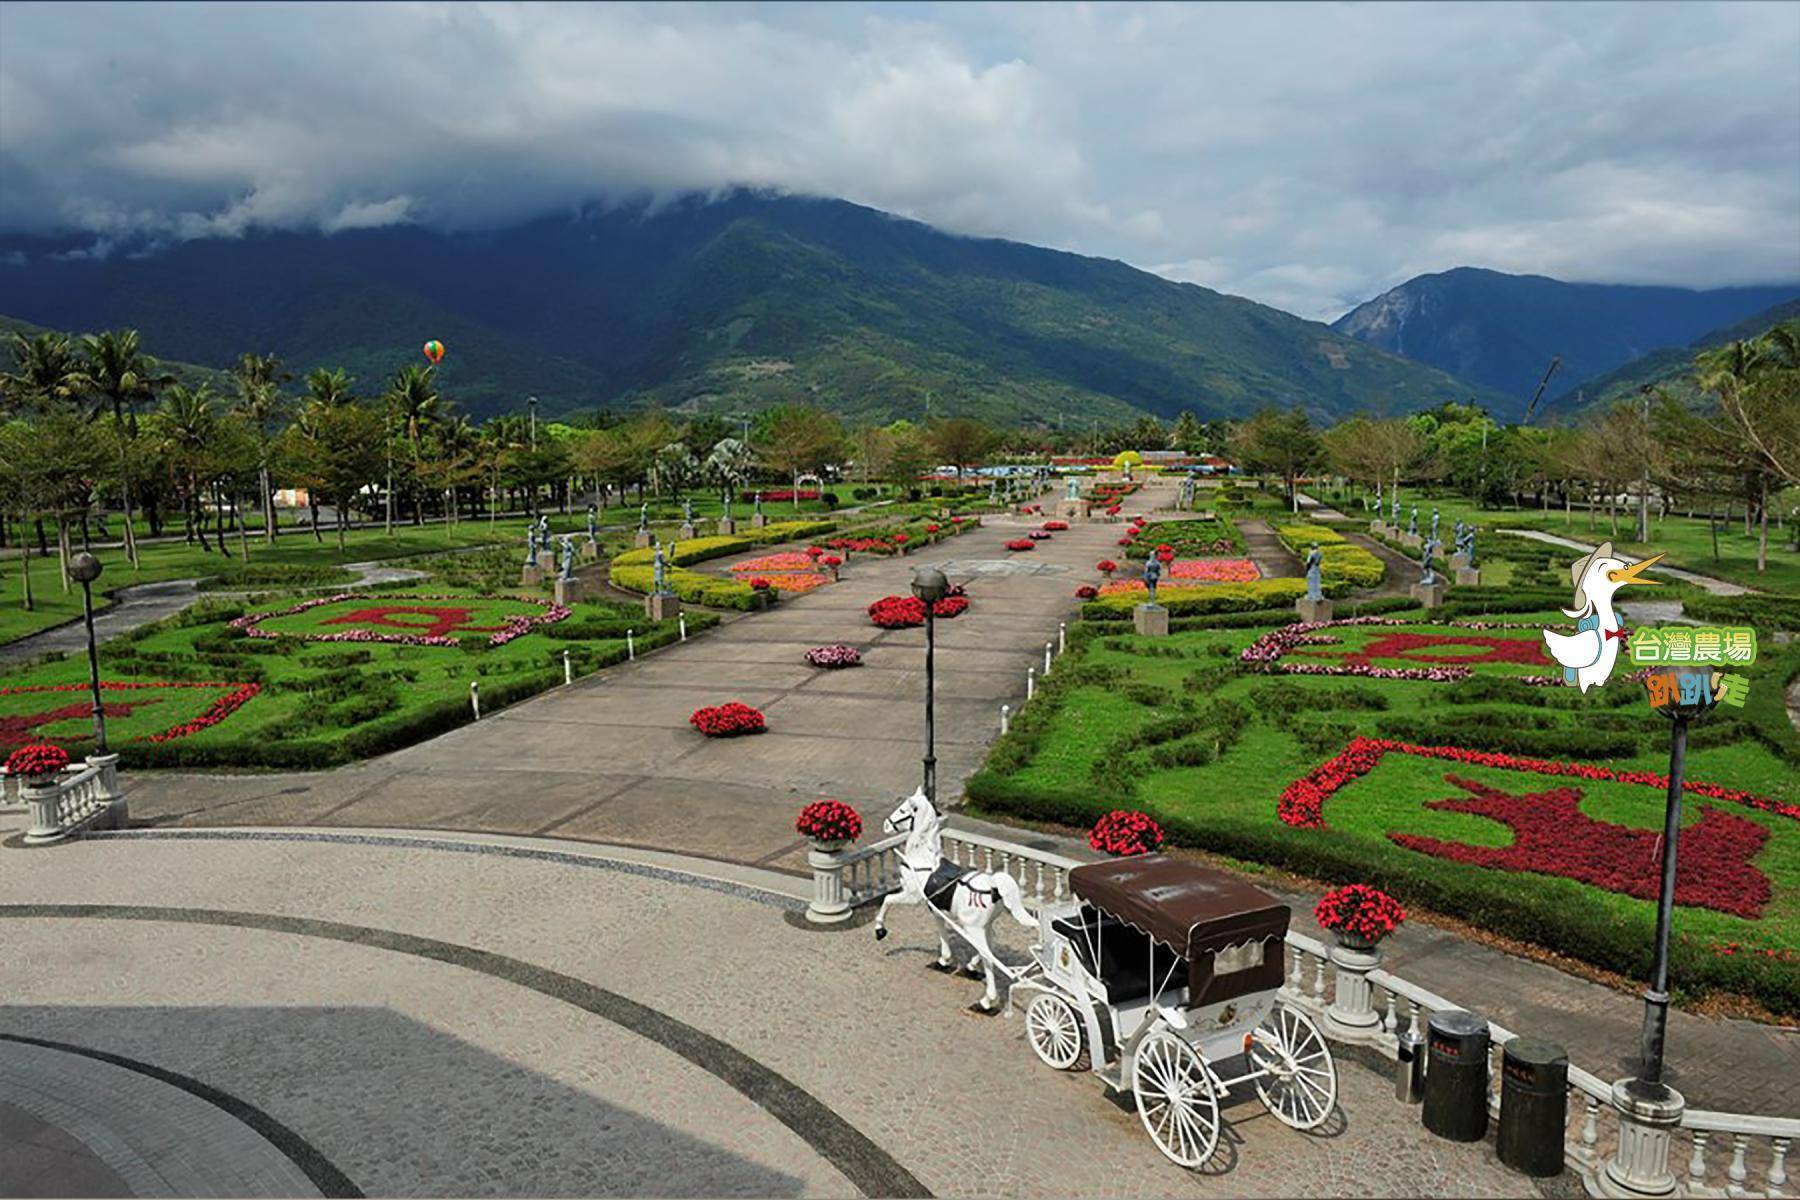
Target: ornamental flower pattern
(234, 697)
(1266, 653)
(515, 626)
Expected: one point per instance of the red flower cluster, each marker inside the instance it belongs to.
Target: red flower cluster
(1113, 511)
(759, 584)
(1125, 833)
(867, 545)
(1302, 803)
(517, 625)
(791, 494)
(950, 606)
(832, 560)
(1732, 949)
(1021, 544)
(900, 539)
(1165, 553)
(897, 612)
(1124, 541)
(728, 720)
(215, 712)
(829, 821)
(1360, 911)
(40, 759)
(933, 528)
(834, 656)
(1086, 591)
(1106, 566)
(1056, 526)
(813, 552)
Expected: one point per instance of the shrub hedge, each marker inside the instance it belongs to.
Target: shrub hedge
(691, 586)
(1340, 561)
(680, 554)
(1213, 598)
(1767, 613)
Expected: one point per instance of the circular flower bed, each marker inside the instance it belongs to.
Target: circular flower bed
(1021, 544)
(829, 821)
(1359, 913)
(443, 622)
(1125, 833)
(33, 762)
(1056, 526)
(897, 612)
(834, 657)
(733, 719)
(1086, 591)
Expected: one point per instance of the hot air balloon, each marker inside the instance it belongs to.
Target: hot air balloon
(434, 351)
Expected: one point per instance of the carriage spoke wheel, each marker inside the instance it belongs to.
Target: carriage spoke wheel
(1300, 1084)
(1055, 1031)
(1176, 1099)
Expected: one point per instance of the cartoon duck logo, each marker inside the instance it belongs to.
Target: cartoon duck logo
(1587, 655)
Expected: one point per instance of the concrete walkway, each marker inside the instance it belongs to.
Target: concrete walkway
(446, 1018)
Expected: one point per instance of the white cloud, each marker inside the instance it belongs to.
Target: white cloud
(1307, 156)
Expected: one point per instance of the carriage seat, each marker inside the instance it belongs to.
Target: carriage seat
(1124, 965)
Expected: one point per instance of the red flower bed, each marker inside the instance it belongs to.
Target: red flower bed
(932, 528)
(759, 584)
(19, 729)
(950, 606)
(1021, 544)
(1086, 591)
(897, 612)
(1215, 570)
(1124, 541)
(829, 821)
(813, 552)
(40, 759)
(1165, 553)
(832, 560)
(443, 620)
(732, 719)
(867, 545)
(1125, 833)
(1106, 566)
(1266, 652)
(790, 494)
(1360, 911)
(1056, 526)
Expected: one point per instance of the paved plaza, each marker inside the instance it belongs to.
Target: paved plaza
(416, 1019)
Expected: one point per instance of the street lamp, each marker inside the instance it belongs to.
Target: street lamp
(929, 585)
(531, 407)
(84, 568)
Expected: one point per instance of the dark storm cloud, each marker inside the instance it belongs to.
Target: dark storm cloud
(1304, 155)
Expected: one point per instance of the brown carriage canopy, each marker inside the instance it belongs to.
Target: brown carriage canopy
(1195, 911)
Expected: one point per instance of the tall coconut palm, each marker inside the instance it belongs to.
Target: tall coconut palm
(259, 378)
(412, 403)
(186, 424)
(116, 374)
(46, 373)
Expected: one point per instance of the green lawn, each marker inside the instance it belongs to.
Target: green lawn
(1178, 728)
(317, 703)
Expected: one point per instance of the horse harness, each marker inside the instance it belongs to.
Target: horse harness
(940, 886)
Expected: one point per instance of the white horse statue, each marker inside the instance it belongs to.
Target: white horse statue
(965, 900)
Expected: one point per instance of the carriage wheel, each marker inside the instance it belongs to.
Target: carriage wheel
(1300, 1086)
(1055, 1031)
(1176, 1099)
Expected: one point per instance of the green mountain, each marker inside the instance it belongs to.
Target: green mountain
(737, 302)
(190, 374)
(1671, 370)
(1502, 330)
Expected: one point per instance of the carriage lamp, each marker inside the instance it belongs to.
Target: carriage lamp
(84, 568)
(929, 585)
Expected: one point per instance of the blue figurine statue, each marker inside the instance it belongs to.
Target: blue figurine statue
(593, 516)
(531, 546)
(644, 517)
(1471, 550)
(1427, 576)
(1412, 522)
(1460, 549)
(687, 511)
(659, 573)
(1152, 573)
(759, 504)
(1396, 507)
(1314, 574)
(568, 556)
(1434, 524)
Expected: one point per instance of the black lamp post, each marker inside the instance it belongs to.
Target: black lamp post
(929, 585)
(84, 568)
(531, 407)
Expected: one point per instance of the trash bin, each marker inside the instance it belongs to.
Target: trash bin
(1456, 1079)
(1409, 1071)
(1534, 1106)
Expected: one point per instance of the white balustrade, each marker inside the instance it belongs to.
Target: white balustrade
(83, 797)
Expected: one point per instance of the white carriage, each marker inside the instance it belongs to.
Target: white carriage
(1164, 976)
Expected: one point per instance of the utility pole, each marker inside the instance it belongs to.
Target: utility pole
(531, 406)
(1643, 529)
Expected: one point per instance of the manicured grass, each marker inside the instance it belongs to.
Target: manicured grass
(321, 703)
(1178, 728)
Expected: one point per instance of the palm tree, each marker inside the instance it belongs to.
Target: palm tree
(259, 378)
(116, 373)
(412, 403)
(187, 423)
(46, 372)
(328, 389)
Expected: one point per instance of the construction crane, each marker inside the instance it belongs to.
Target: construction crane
(1539, 394)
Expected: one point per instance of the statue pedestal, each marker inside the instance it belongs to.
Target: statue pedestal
(642, 540)
(1468, 577)
(1313, 610)
(530, 576)
(662, 608)
(727, 527)
(688, 532)
(1072, 510)
(1459, 562)
(589, 551)
(568, 592)
(1150, 620)
(546, 560)
(1411, 539)
(1429, 594)
(758, 521)
(1378, 527)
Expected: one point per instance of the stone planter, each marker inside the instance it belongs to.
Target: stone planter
(829, 904)
(40, 795)
(1351, 1014)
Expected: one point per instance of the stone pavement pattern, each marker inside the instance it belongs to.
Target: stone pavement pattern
(434, 1075)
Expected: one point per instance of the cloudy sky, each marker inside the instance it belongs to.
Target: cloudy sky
(1304, 155)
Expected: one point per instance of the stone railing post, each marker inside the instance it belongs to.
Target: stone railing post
(829, 904)
(117, 816)
(1640, 1163)
(1352, 1014)
(44, 802)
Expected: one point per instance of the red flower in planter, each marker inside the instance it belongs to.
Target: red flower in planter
(37, 760)
(759, 584)
(956, 520)
(732, 719)
(1056, 526)
(932, 528)
(1360, 911)
(1086, 591)
(829, 821)
(897, 612)
(900, 539)
(1106, 566)
(1165, 553)
(1124, 541)
(1125, 833)
(832, 560)
(813, 552)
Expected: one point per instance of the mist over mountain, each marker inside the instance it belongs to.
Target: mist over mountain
(743, 301)
(1502, 330)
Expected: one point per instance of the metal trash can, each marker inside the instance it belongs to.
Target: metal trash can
(1409, 1071)
(1456, 1081)
(1534, 1106)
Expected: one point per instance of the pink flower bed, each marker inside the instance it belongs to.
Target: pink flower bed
(1215, 570)
(787, 560)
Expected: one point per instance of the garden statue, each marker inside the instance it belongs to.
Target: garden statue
(1459, 538)
(687, 511)
(659, 573)
(1434, 524)
(759, 511)
(1314, 571)
(543, 531)
(725, 508)
(531, 546)
(1074, 488)
(644, 517)
(1427, 576)
(1152, 572)
(1412, 522)
(568, 556)
(1471, 550)
(1396, 499)
(593, 516)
